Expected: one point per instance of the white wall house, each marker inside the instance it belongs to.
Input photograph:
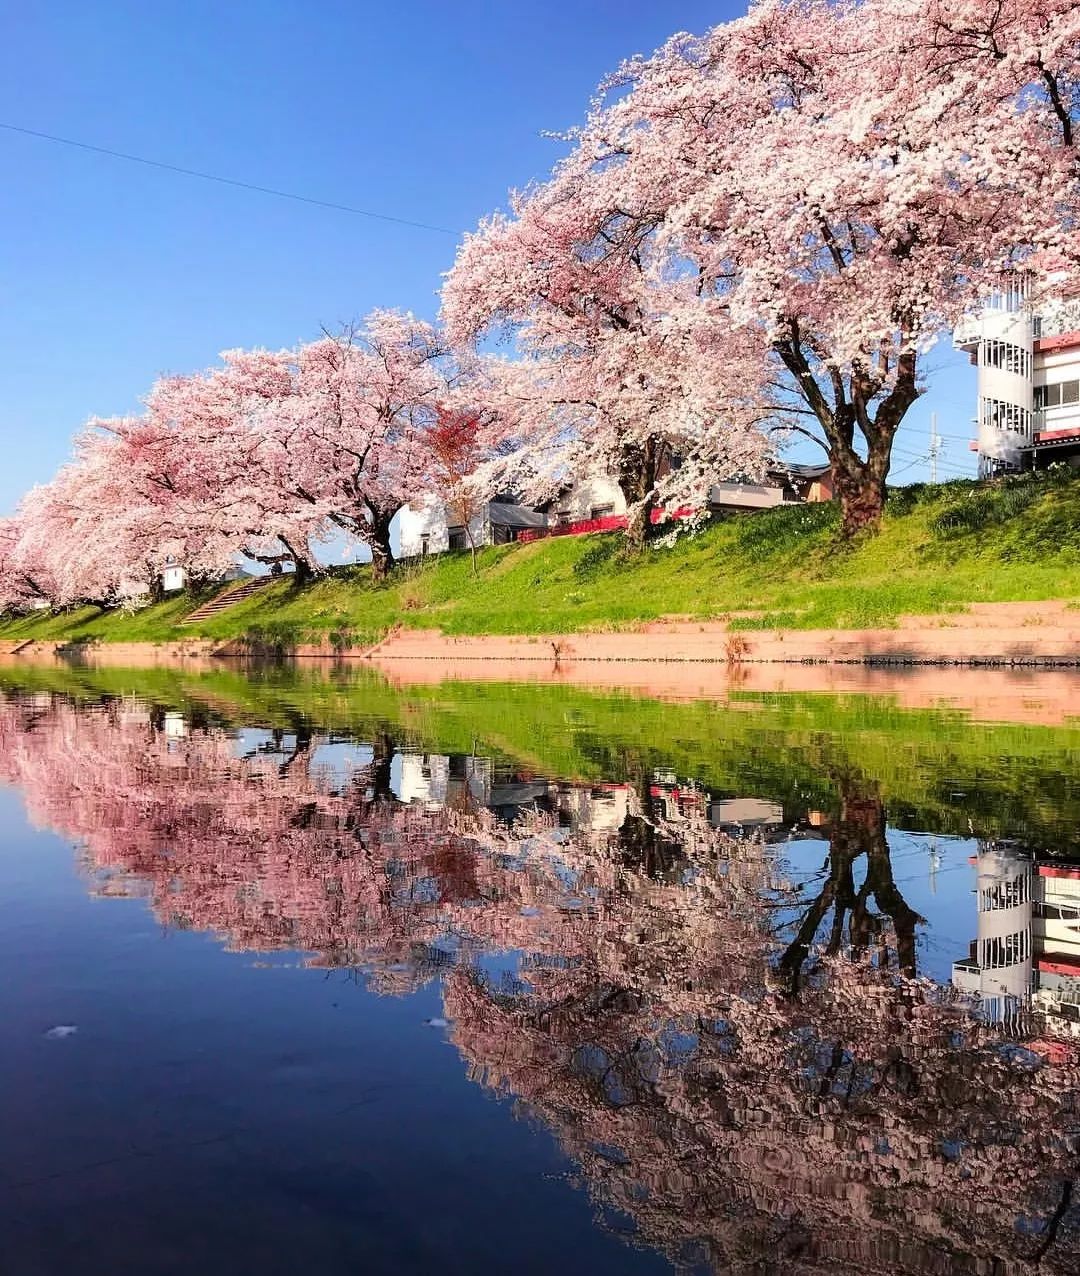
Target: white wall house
(592, 497)
(173, 577)
(424, 526)
(1028, 379)
(427, 527)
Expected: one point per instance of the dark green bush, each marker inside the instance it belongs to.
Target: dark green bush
(989, 505)
(278, 638)
(600, 554)
(773, 531)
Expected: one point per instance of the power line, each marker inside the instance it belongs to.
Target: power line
(226, 181)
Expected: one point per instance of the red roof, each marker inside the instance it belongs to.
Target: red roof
(1063, 341)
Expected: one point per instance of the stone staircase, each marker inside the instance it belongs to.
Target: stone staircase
(228, 598)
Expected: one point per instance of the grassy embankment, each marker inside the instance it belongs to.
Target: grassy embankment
(931, 768)
(939, 550)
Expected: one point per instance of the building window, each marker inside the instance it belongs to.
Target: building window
(601, 511)
(456, 538)
(1007, 356)
(1057, 395)
(425, 543)
(998, 415)
(1005, 894)
(1006, 950)
(562, 517)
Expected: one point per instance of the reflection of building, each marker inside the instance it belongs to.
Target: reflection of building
(600, 809)
(739, 815)
(1057, 943)
(175, 725)
(1026, 954)
(998, 967)
(439, 779)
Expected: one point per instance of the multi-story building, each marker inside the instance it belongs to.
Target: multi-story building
(1026, 954)
(1027, 353)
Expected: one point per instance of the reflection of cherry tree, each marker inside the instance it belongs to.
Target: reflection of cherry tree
(858, 831)
(268, 847)
(267, 843)
(865, 1125)
(735, 1097)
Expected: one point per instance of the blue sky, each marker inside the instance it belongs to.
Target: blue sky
(111, 273)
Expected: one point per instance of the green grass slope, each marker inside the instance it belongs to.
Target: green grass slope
(939, 549)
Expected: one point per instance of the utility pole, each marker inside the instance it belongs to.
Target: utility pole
(935, 447)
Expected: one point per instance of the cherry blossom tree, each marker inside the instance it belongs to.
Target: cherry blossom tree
(24, 581)
(271, 451)
(454, 449)
(349, 440)
(197, 456)
(78, 545)
(615, 373)
(263, 456)
(833, 186)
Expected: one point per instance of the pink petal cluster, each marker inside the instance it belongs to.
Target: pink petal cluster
(768, 226)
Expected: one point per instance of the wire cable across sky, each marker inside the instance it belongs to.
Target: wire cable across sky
(226, 181)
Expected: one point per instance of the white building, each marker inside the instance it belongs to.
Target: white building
(587, 500)
(592, 503)
(427, 527)
(173, 577)
(1026, 954)
(1028, 379)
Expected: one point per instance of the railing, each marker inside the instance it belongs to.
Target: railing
(586, 526)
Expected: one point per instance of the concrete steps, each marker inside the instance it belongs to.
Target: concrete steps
(228, 598)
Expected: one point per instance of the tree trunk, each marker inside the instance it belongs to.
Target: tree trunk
(637, 475)
(382, 556)
(472, 547)
(861, 489)
(860, 485)
(302, 569)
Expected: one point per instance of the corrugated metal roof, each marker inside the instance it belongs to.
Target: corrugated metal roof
(515, 516)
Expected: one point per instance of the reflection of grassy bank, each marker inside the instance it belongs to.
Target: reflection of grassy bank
(936, 770)
(939, 549)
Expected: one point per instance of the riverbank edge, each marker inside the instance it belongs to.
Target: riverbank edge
(1042, 635)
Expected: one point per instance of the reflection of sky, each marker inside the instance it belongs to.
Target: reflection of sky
(933, 875)
(223, 1112)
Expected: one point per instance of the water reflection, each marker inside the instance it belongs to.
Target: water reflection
(745, 1063)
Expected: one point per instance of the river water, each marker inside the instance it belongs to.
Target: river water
(304, 971)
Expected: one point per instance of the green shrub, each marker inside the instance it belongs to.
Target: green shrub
(768, 532)
(342, 640)
(604, 551)
(990, 506)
